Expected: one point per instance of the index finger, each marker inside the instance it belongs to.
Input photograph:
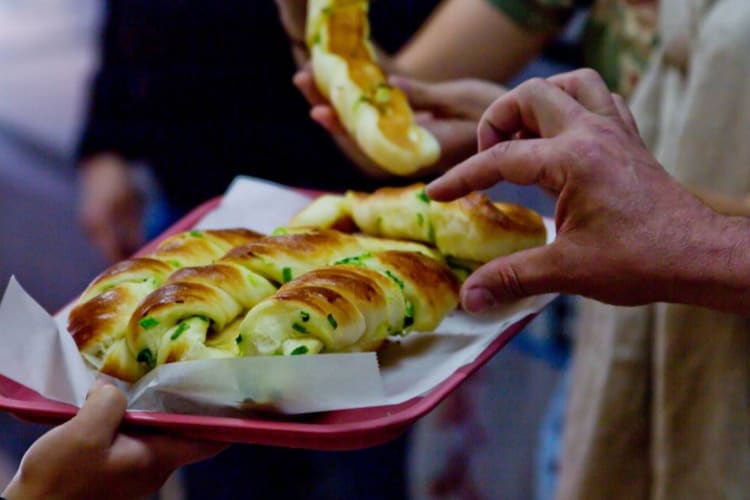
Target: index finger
(525, 162)
(536, 105)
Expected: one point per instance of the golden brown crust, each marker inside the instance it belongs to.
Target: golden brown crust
(501, 216)
(354, 283)
(233, 237)
(138, 269)
(324, 300)
(475, 228)
(98, 322)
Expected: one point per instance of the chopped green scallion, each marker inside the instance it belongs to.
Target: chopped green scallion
(422, 195)
(299, 350)
(305, 316)
(332, 321)
(286, 274)
(146, 356)
(180, 330)
(148, 322)
(395, 278)
(299, 328)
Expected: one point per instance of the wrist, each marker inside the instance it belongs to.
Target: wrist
(716, 265)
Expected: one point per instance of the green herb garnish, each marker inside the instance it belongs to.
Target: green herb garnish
(238, 340)
(146, 356)
(280, 231)
(305, 316)
(431, 233)
(355, 261)
(332, 321)
(409, 317)
(174, 263)
(422, 195)
(286, 274)
(180, 330)
(148, 322)
(383, 93)
(299, 328)
(299, 350)
(395, 278)
(197, 234)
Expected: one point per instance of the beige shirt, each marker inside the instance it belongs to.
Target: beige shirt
(660, 403)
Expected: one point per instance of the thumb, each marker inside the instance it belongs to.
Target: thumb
(101, 414)
(513, 277)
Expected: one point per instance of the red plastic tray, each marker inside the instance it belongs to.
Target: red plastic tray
(335, 430)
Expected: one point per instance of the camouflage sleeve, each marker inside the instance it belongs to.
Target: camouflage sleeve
(539, 15)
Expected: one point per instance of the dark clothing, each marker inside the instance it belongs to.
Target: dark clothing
(201, 91)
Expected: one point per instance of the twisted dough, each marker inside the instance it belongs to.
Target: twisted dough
(352, 306)
(100, 319)
(471, 228)
(376, 114)
(195, 314)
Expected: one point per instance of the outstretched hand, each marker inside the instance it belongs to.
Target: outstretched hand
(449, 110)
(88, 457)
(624, 226)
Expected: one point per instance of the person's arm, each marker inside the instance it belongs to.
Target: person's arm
(627, 232)
(462, 39)
(110, 208)
(722, 203)
(88, 457)
(471, 39)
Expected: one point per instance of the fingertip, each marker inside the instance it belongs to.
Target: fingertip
(477, 300)
(436, 190)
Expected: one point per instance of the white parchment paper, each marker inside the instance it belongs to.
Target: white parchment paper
(38, 352)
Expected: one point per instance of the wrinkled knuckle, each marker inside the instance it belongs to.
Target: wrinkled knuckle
(536, 84)
(589, 75)
(508, 280)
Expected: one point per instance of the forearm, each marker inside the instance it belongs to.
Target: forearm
(714, 268)
(469, 38)
(724, 204)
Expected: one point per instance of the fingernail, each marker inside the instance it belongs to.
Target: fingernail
(478, 300)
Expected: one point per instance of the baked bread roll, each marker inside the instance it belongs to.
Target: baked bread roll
(376, 114)
(351, 306)
(192, 312)
(100, 319)
(469, 230)
(283, 257)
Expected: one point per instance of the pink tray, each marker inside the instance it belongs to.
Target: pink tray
(336, 430)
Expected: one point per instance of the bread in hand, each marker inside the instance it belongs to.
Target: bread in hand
(376, 114)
